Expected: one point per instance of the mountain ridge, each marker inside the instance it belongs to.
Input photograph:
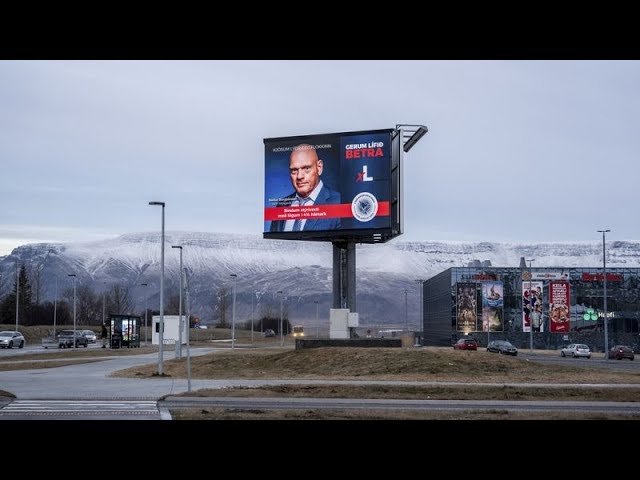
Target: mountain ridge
(301, 269)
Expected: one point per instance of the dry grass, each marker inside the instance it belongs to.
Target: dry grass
(7, 367)
(424, 364)
(310, 414)
(417, 392)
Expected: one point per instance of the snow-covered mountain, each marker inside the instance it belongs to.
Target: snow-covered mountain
(301, 269)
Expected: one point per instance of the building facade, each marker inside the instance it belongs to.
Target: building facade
(548, 307)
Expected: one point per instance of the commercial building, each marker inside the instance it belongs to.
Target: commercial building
(467, 300)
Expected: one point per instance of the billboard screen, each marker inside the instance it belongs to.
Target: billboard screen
(333, 186)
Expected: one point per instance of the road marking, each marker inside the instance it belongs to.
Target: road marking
(80, 407)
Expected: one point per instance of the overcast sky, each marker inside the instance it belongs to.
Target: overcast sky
(516, 151)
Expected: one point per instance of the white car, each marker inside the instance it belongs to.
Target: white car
(10, 339)
(90, 335)
(576, 350)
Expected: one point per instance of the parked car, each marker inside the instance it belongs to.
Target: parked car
(90, 335)
(621, 351)
(10, 339)
(576, 350)
(66, 339)
(466, 344)
(269, 333)
(502, 346)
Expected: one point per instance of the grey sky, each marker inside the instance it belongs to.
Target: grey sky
(516, 151)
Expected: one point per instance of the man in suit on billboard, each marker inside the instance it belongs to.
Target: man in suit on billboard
(305, 170)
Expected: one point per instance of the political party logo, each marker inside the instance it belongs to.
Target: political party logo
(364, 207)
(362, 176)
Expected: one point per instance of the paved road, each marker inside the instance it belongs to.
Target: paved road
(75, 384)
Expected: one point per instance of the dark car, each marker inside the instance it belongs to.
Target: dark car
(621, 351)
(466, 344)
(502, 346)
(269, 333)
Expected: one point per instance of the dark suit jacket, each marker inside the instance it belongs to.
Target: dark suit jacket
(325, 196)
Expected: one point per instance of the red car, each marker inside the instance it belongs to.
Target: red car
(466, 344)
(621, 351)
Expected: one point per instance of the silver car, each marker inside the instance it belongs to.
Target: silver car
(576, 350)
(10, 339)
(90, 335)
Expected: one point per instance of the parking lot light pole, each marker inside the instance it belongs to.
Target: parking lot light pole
(145, 312)
(75, 338)
(233, 314)
(17, 295)
(281, 333)
(604, 279)
(161, 325)
(179, 349)
(530, 307)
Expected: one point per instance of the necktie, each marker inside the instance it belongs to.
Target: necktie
(298, 223)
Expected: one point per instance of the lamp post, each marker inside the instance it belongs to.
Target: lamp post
(75, 339)
(55, 310)
(317, 322)
(420, 282)
(146, 309)
(530, 307)
(17, 294)
(406, 312)
(251, 318)
(233, 314)
(179, 349)
(280, 327)
(161, 326)
(188, 338)
(604, 279)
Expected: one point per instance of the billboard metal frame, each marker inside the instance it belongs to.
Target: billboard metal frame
(372, 235)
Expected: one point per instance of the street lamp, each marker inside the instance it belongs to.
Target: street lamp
(252, 318)
(188, 338)
(179, 349)
(75, 339)
(317, 323)
(406, 312)
(55, 310)
(161, 326)
(280, 327)
(420, 282)
(604, 278)
(233, 315)
(146, 309)
(530, 307)
(17, 294)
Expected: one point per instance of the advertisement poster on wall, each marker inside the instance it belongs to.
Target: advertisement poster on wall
(559, 313)
(492, 306)
(467, 302)
(532, 306)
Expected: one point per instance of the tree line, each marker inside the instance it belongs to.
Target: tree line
(117, 300)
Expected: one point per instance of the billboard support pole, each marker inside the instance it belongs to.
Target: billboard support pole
(344, 276)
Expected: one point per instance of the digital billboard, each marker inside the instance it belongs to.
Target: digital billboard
(333, 186)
